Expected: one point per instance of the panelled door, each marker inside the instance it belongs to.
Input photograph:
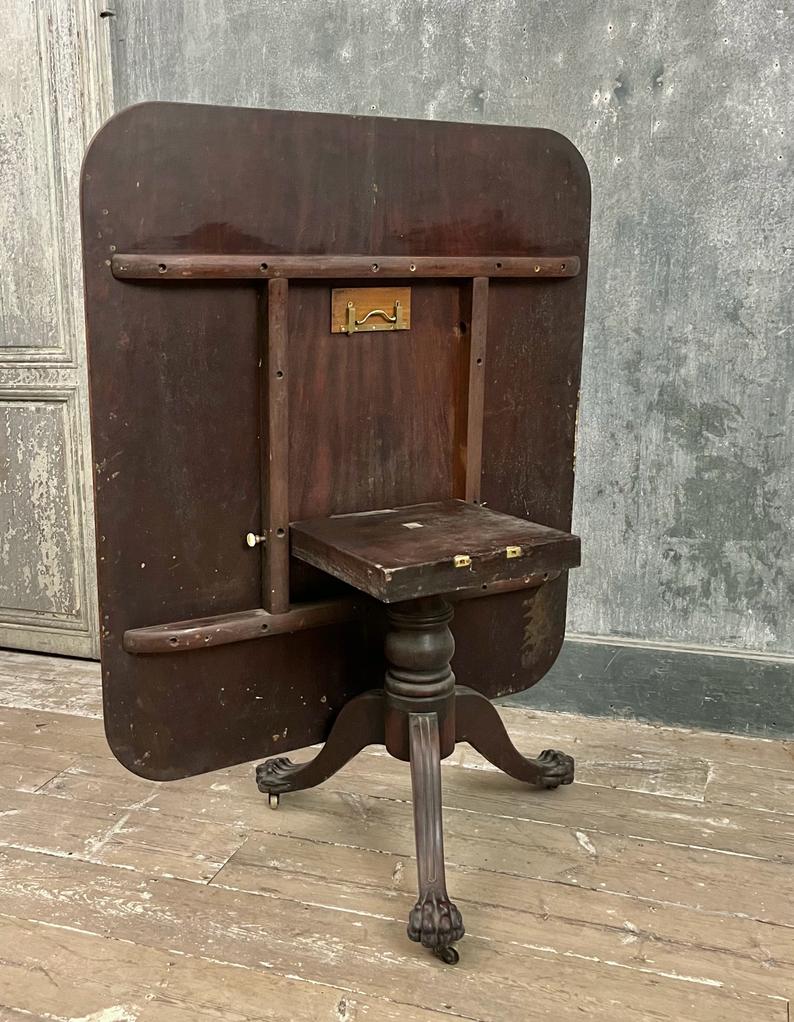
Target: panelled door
(54, 93)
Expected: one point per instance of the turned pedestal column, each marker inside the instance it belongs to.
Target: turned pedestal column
(420, 728)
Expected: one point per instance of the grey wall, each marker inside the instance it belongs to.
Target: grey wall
(683, 111)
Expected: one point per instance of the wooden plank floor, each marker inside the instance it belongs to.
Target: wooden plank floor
(659, 886)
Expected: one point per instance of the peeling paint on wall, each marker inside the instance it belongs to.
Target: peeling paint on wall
(37, 519)
(49, 104)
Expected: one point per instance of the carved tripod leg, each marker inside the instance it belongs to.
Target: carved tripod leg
(478, 723)
(359, 723)
(434, 920)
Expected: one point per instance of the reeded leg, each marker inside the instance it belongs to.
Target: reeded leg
(434, 920)
(359, 723)
(478, 723)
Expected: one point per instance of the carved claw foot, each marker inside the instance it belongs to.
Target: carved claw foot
(273, 777)
(478, 723)
(359, 723)
(435, 923)
(557, 768)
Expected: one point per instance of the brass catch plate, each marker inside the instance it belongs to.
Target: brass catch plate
(363, 309)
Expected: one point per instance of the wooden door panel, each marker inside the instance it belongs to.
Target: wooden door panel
(47, 113)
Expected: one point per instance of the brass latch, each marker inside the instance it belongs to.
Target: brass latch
(361, 309)
(353, 324)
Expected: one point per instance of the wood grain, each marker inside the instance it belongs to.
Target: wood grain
(200, 633)
(475, 398)
(182, 266)
(78, 690)
(178, 402)
(413, 551)
(275, 451)
(757, 787)
(357, 949)
(167, 903)
(105, 980)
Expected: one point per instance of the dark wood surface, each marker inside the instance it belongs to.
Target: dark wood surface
(261, 266)
(222, 629)
(375, 420)
(477, 722)
(401, 554)
(275, 449)
(358, 724)
(201, 633)
(475, 397)
(435, 921)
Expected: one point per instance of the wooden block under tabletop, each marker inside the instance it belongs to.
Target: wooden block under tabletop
(427, 549)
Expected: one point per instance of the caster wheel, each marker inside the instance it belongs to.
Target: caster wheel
(273, 800)
(448, 955)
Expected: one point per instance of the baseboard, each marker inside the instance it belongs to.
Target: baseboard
(749, 695)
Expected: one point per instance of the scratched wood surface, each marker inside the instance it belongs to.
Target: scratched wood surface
(376, 420)
(660, 885)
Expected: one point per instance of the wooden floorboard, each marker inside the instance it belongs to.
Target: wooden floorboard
(659, 886)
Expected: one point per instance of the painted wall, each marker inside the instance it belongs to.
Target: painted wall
(683, 112)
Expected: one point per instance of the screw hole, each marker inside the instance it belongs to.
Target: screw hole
(375, 267)
(537, 268)
(206, 638)
(279, 374)
(562, 266)
(265, 628)
(263, 267)
(484, 585)
(280, 532)
(161, 267)
(412, 267)
(173, 640)
(479, 361)
(545, 576)
(498, 266)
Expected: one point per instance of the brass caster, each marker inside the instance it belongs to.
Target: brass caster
(273, 800)
(448, 955)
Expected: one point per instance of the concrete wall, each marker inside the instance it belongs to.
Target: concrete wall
(683, 111)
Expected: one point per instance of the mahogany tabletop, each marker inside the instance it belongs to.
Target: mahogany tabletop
(224, 402)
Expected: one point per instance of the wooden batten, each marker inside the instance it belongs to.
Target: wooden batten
(190, 266)
(275, 452)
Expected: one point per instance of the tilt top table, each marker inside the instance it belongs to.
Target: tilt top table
(334, 367)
